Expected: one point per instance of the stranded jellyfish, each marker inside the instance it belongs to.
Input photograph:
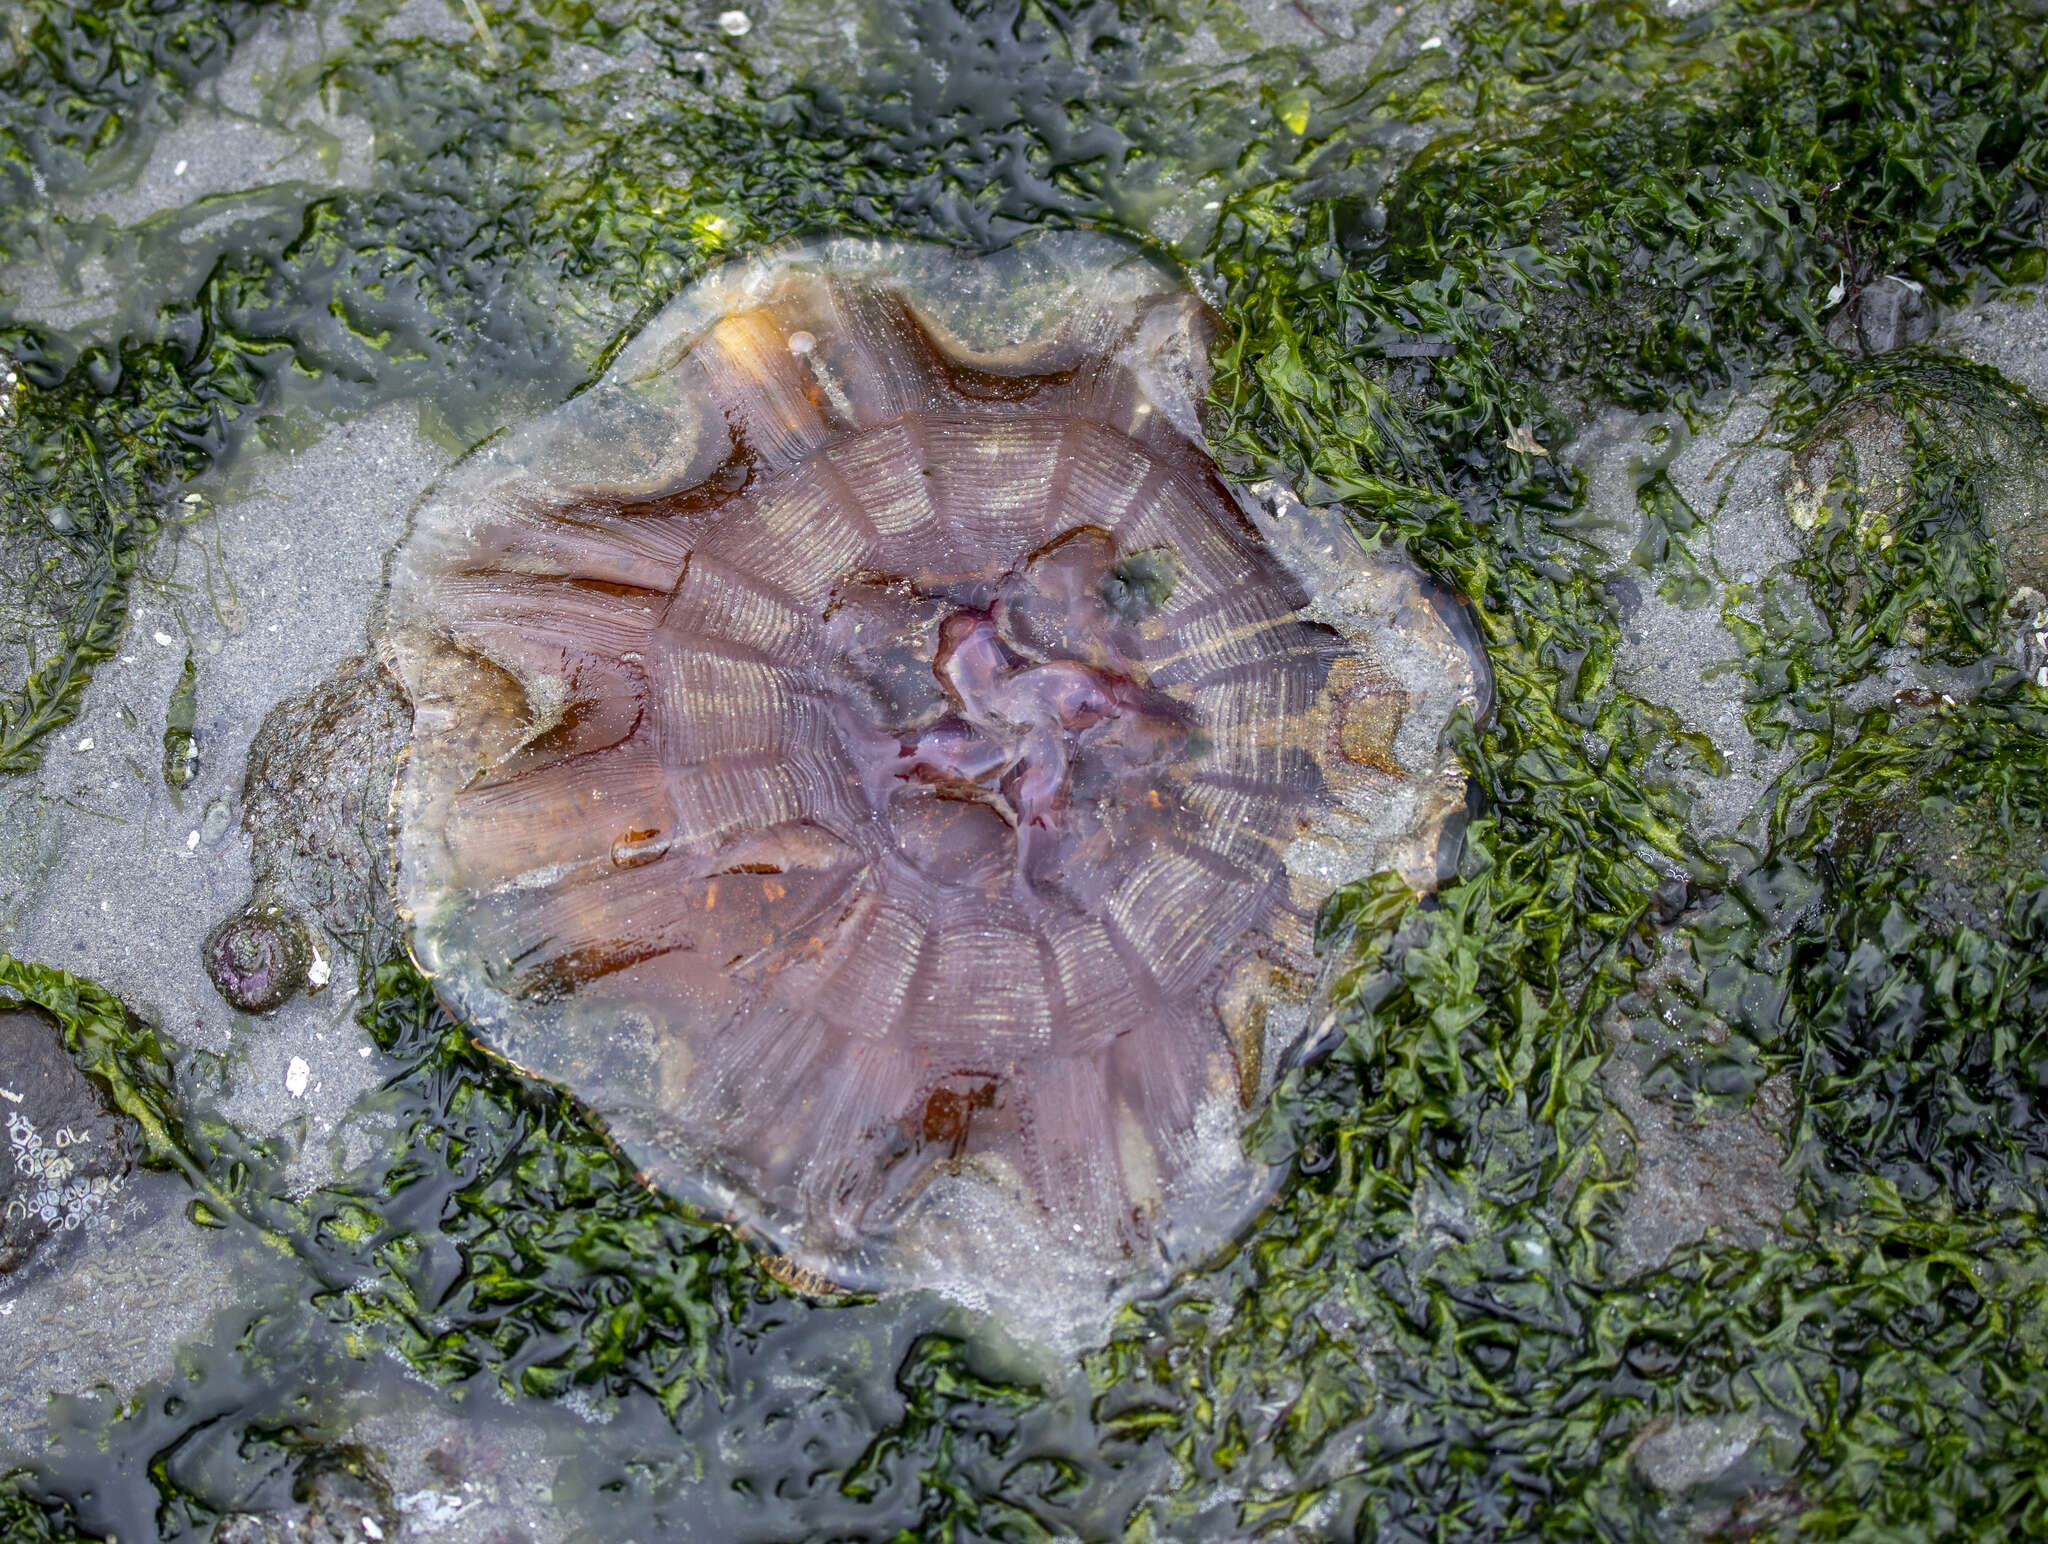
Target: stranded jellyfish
(864, 750)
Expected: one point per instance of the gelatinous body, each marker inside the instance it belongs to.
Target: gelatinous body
(864, 749)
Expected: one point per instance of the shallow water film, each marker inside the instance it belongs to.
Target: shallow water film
(1674, 1170)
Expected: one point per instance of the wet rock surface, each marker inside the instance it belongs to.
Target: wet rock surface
(338, 1497)
(316, 804)
(1966, 884)
(1858, 464)
(1677, 650)
(1718, 1475)
(1890, 313)
(67, 1153)
(1722, 1172)
(1675, 1456)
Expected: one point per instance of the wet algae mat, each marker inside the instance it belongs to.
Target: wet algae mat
(1674, 1171)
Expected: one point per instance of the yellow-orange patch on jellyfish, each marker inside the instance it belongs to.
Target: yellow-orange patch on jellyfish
(864, 750)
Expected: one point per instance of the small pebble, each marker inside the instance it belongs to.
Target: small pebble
(163, 640)
(215, 825)
(735, 22)
(179, 169)
(296, 1077)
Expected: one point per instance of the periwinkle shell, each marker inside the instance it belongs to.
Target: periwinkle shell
(864, 750)
(259, 957)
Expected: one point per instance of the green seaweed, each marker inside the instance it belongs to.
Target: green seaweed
(83, 88)
(181, 715)
(1434, 1296)
(75, 520)
(506, 1237)
(123, 1055)
(22, 1521)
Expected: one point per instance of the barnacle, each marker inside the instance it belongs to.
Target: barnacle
(863, 749)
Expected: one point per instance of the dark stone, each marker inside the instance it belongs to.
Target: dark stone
(338, 1497)
(259, 957)
(316, 802)
(1882, 316)
(67, 1152)
(1668, 904)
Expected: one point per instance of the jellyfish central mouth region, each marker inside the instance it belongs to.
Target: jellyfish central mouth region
(1020, 723)
(1027, 704)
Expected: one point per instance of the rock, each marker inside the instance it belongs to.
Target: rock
(339, 1497)
(2025, 634)
(1891, 313)
(1858, 463)
(1724, 1173)
(67, 1152)
(315, 802)
(1674, 1456)
(1672, 897)
(1942, 841)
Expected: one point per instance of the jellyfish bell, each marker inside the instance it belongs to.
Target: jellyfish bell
(863, 749)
